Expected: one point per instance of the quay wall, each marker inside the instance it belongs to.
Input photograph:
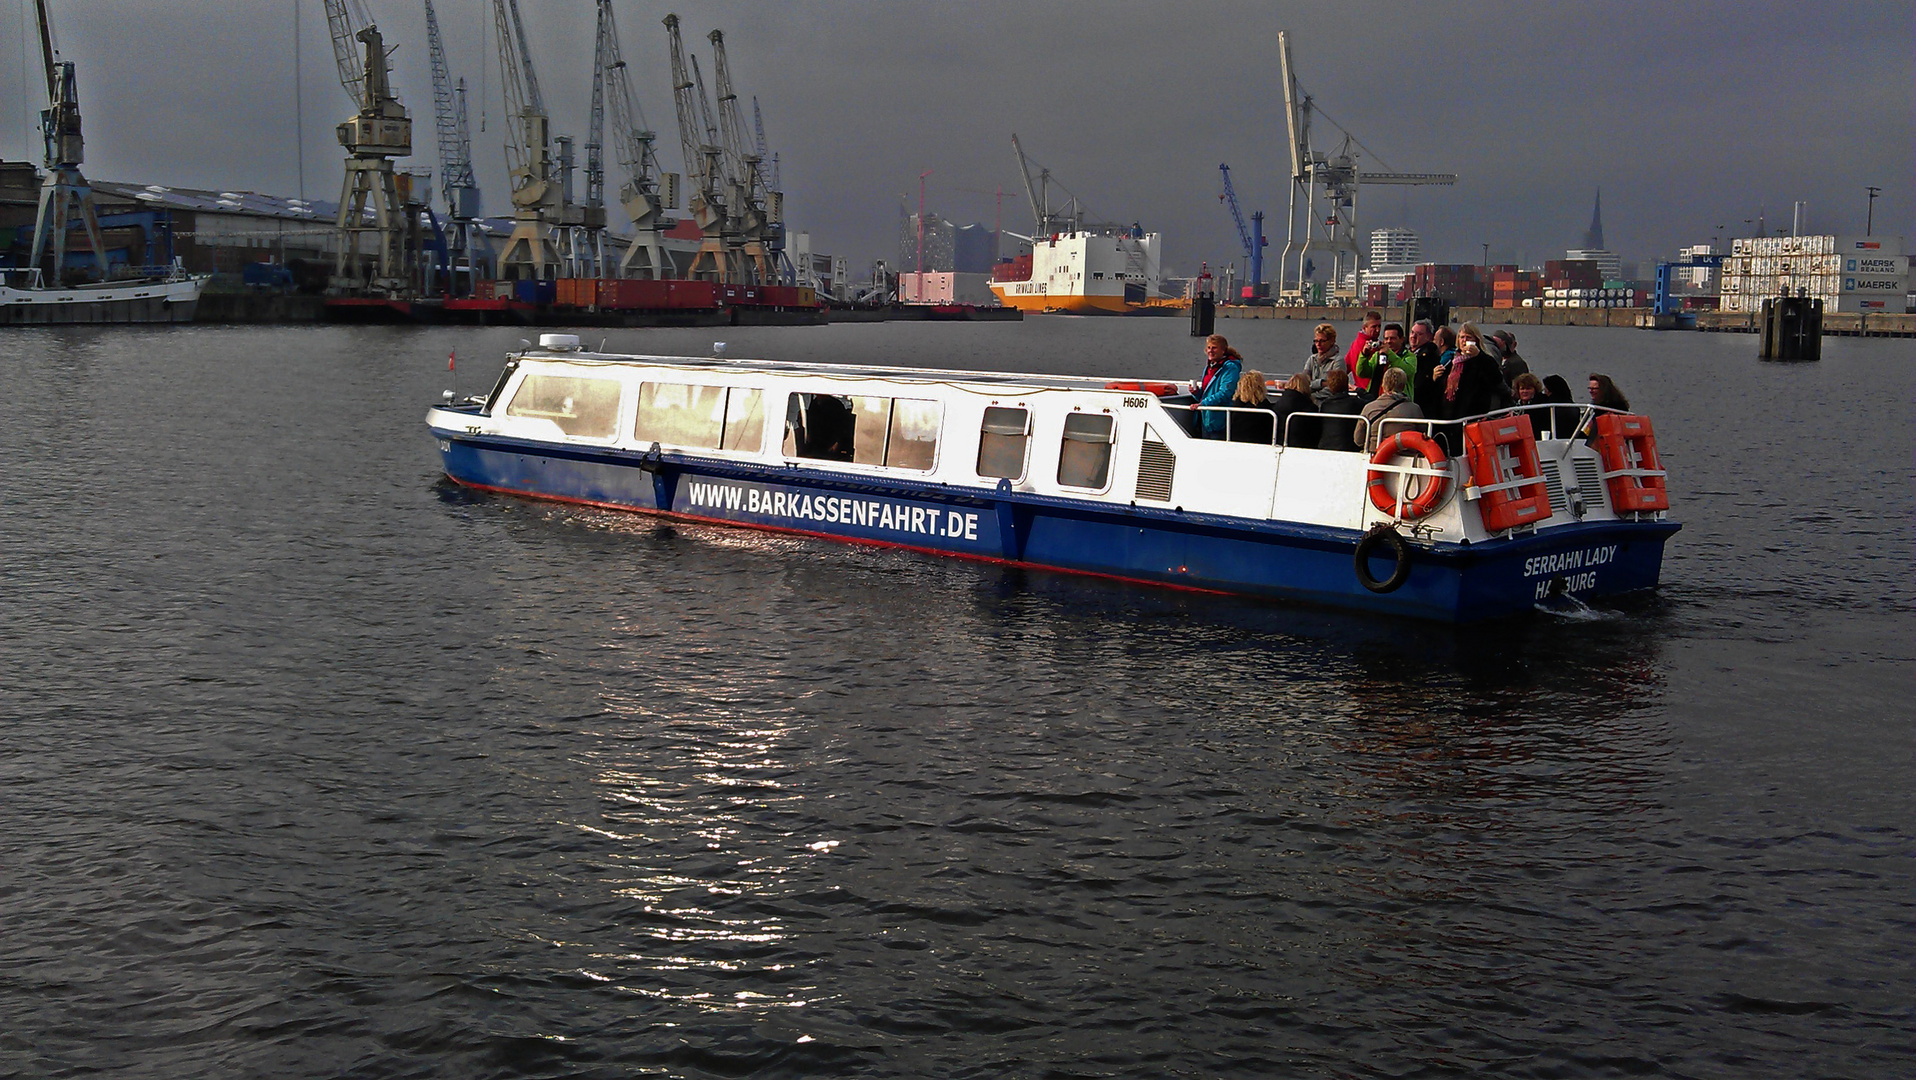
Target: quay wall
(1837, 323)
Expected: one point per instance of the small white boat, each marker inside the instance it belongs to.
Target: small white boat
(1087, 475)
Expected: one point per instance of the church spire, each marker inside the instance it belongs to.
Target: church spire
(1593, 237)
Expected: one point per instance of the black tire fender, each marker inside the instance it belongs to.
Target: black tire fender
(1400, 551)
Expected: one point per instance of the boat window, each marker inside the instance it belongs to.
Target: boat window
(744, 419)
(913, 442)
(901, 433)
(818, 426)
(586, 408)
(873, 422)
(1002, 442)
(680, 415)
(1084, 459)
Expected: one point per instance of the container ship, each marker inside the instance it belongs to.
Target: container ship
(1082, 273)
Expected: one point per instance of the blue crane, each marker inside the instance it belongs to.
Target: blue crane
(1252, 238)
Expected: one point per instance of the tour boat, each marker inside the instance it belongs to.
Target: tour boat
(1089, 475)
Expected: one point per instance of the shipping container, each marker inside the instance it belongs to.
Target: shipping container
(694, 294)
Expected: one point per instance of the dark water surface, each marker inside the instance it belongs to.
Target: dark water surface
(313, 765)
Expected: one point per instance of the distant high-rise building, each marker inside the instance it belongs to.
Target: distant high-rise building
(1394, 247)
(937, 243)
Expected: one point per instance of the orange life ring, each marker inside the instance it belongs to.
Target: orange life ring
(1407, 442)
(1161, 389)
(1503, 506)
(1631, 468)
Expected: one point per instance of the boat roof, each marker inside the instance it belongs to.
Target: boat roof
(743, 365)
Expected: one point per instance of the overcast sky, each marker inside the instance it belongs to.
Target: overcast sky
(1688, 116)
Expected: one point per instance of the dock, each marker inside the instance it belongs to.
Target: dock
(1840, 324)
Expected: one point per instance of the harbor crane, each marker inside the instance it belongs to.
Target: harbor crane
(455, 164)
(755, 206)
(704, 166)
(775, 238)
(1043, 223)
(542, 212)
(648, 190)
(370, 206)
(66, 198)
(1252, 238)
(1337, 176)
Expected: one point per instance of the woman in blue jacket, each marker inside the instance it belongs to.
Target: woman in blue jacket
(1222, 369)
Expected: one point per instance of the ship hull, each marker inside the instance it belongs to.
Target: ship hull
(1456, 583)
(132, 302)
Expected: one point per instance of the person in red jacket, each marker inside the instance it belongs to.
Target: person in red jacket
(1365, 343)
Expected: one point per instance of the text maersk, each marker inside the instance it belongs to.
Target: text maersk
(880, 514)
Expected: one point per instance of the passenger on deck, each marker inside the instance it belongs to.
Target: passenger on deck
(1392, 404)
(1528, 390)
(1251, 427)
(1564, 411)
(1323, 358)
(1391, 354)
(1604, 393)
(1471, 380)
(1222, 365)
(1295, 398)
(1365, 343)
(1423, 345)
(1513, 365)
(1341, 434)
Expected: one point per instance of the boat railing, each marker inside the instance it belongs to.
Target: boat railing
(1230, 413)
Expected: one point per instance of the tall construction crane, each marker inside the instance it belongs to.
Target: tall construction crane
(455, 162)
(1337, 176)
(65, 196)
(648, 190)
(704, 166)
(540, 209)
(755, 207)
(369, 202)
(1252, 238)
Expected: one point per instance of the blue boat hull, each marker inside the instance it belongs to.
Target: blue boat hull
(1447, 582)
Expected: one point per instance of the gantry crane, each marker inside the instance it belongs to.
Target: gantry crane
(1252, 238)
(704, 166)
(369, 202)
(65, 196)
(775, 230)
(455, 164)
(648, 190)
(754, 206)
(542, 214)
(1338, 177)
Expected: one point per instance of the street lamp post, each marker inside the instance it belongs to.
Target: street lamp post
(1869, 225)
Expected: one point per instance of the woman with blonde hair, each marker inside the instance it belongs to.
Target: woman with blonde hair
(1295, 398)
(1250, 427)
(1470, 381)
